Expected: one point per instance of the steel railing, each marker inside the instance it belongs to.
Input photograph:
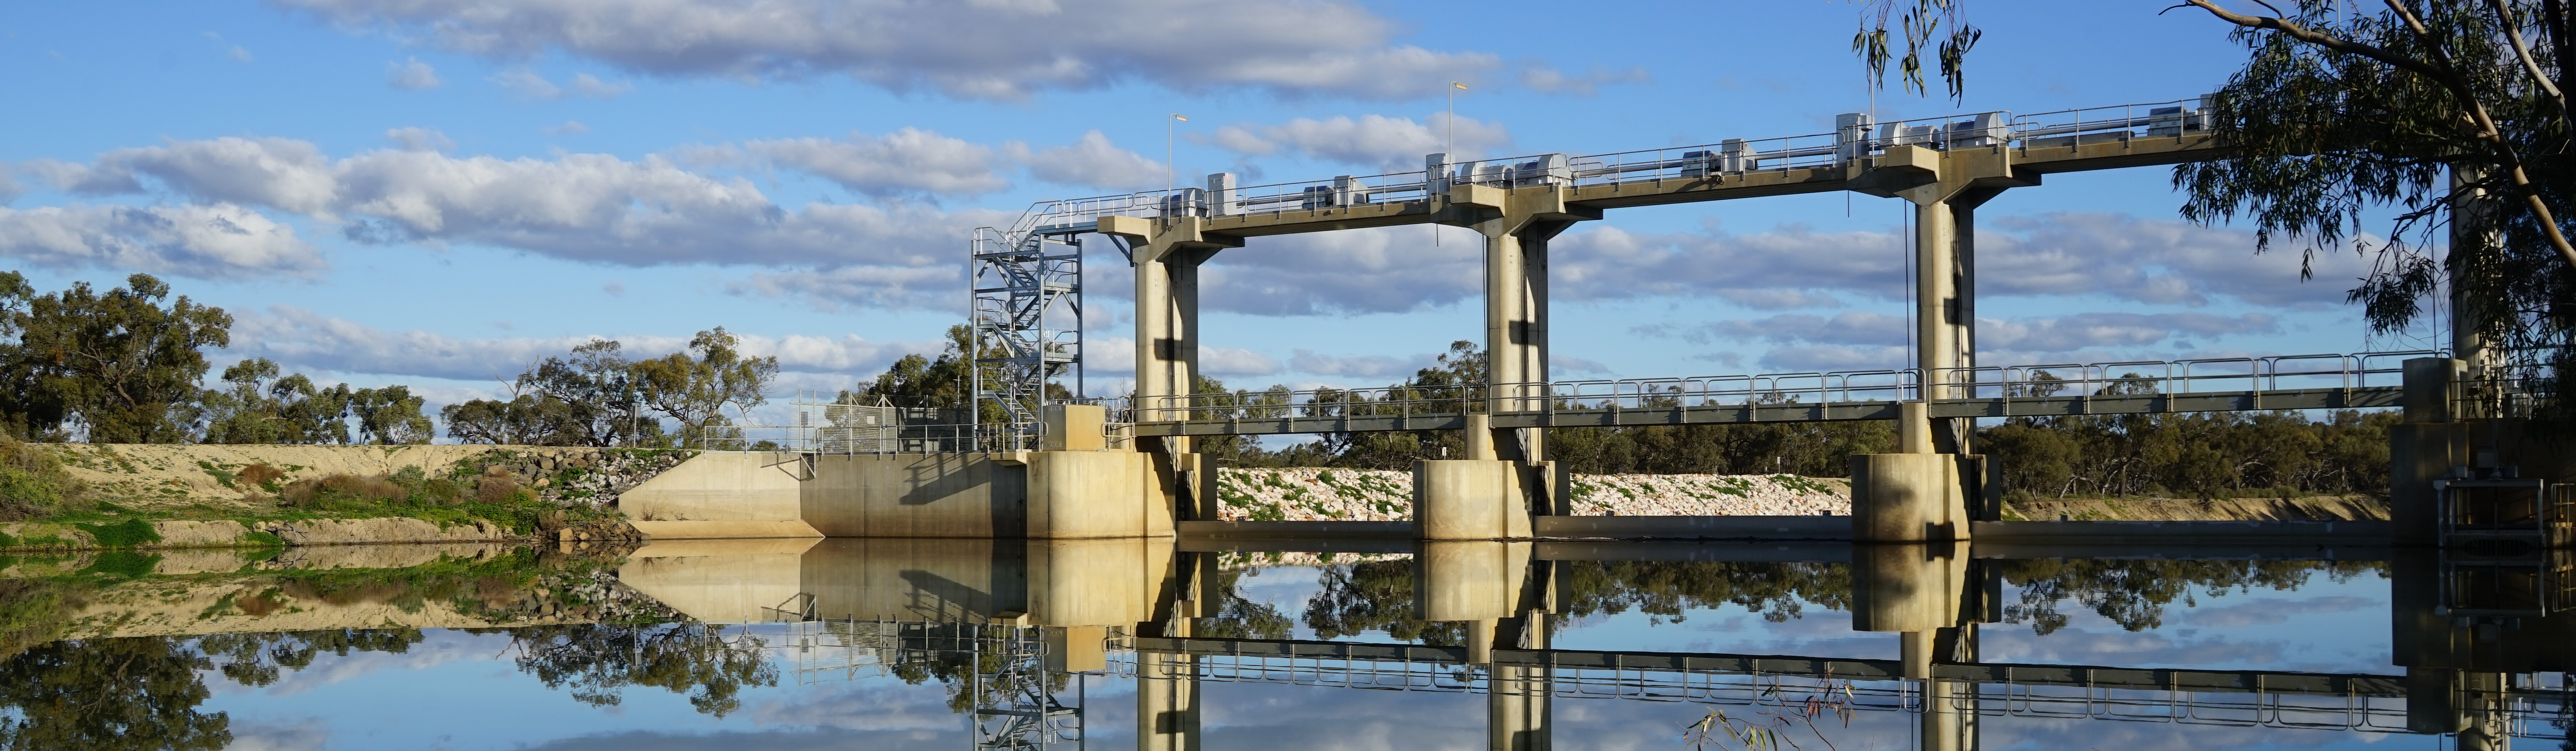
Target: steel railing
(2255, 375)
(2075, 127)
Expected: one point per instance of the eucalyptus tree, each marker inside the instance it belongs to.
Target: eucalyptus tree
(2449, 119)
(120, 363)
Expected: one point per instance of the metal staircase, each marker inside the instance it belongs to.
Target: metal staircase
(1027, 323)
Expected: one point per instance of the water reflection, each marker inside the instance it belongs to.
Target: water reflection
(1035, 644)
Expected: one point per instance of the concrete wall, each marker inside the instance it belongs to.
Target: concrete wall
(918, 496)
(720, 495)
(1470, 499)
(1090, 494)
(722, 581)
(1039, 495)
(1051, 582)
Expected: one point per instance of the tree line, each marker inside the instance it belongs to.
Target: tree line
(128, 365)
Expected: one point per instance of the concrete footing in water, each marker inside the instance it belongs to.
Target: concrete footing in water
(1032, 495)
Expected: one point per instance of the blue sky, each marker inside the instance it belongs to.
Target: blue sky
(435, 192)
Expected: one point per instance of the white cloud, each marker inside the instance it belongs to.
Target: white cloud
(2159, 261)
(1387, 270)
(1113, 356)
(1092, 161)
(309, 735)
(1388, 143)
(301, 338)
(989, 50)
(217, 241)
(584, 207)
(910, 160)
(528, 84)
(568, 128)
(834, 290)
(10, 190)
(284, 173)
(412, 75)
(590, 86)
(1867, 339)
(1364, 366)
(419, 139)
(1548, 80)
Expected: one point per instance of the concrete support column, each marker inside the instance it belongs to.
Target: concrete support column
(2474, 238)
(1945, 309)
(1520, 702)
(1908, 498)
(1166, 254)
(1167, 702)
(1167, 335)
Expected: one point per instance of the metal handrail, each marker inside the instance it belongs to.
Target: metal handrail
(2207, 375)
(1731, 157)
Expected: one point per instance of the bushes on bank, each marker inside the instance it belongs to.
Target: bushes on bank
(33, 483)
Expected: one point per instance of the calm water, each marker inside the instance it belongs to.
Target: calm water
(949, 644)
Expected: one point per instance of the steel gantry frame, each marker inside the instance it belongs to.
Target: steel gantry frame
(1025, 310)
(1945, 164)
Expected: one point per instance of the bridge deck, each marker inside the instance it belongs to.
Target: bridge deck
(2080, 676)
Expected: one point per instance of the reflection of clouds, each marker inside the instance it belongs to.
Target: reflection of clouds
(775, 740)
(2323, 626)
(877, 705)
(2274, 611)
(437, 647)
(309, 735)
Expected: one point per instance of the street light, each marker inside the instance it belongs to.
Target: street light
(1170, 127)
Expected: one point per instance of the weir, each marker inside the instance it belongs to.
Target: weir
(1096, 468)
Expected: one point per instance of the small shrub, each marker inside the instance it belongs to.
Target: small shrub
(124, 534)
(124, 564)
(259, 475)
(340, 488)
(32, 482)
(496, 489)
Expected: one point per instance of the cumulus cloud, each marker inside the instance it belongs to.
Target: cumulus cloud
(412, 75)
(583, 207)
(1292, 47)
(2159, 261)
(302, 338)
(835, 290)
(1363, 366)
(530, 84)
(1548, 80)
(419, 139)
(1091, 161)
(216, 241)
(1110, 356)
(1388, 143)
(283, 173)
(1385, 270)
(910, 160)
(310, 735)
(1865, 339)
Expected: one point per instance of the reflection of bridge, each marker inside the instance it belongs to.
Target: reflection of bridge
(1012, 626)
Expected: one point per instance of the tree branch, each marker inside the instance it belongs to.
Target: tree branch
(2513, 32)
(2312, 36)
(2505, 154)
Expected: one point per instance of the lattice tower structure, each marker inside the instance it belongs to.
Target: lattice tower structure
(1027, 323)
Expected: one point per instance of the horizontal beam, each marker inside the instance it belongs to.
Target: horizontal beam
(2038, 156)
(2072, 676)
(2047, 406)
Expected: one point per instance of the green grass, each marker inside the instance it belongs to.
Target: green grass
(123, 564)
(124, 534)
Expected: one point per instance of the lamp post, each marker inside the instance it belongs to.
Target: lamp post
(1171, 127)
